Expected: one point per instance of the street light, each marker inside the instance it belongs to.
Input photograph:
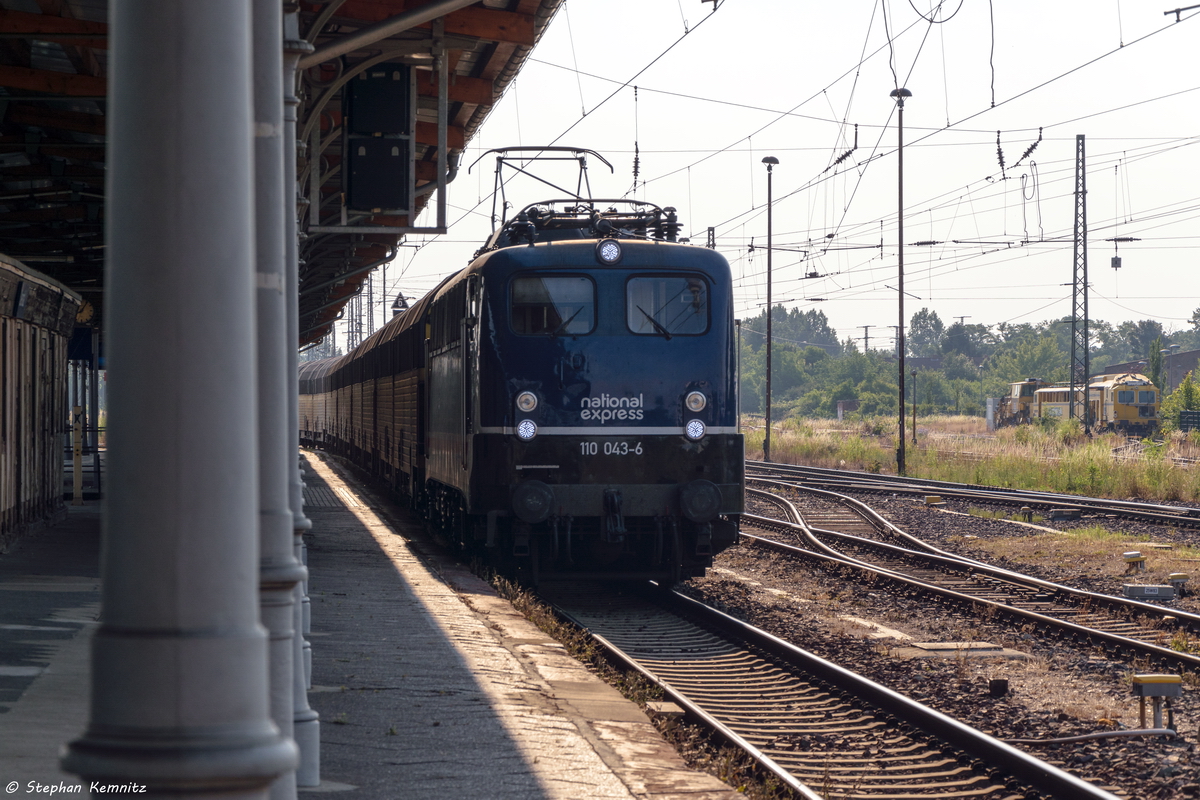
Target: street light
(899, 95)
(770, 161)
(982, 399)
(914, 391)
(1167, 353)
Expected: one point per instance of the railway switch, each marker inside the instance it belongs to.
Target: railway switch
(1156, 687)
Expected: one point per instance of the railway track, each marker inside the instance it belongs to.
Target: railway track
(832, 479)
(822, 730)
(855, 539)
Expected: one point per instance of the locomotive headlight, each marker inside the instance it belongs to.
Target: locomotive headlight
(527, 429)
(695, 429)
(696, 401)
(700, 500)
(533, 501)
(527, 401)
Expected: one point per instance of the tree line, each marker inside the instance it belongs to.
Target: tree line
(953, 368)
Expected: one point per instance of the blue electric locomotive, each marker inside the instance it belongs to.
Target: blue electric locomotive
(568, 401)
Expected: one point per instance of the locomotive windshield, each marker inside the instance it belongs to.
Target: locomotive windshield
(1143, 396)
(553, 305)
(667, 306)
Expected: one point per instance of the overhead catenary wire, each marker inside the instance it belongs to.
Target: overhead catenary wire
(951, 197)
(956, 128)
(574, 57)
(962, 262)
(585, 113)
(1047, 82)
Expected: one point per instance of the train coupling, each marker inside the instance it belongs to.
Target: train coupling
(614, 518)
(521, 540)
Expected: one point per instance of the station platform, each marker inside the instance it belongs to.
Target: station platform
(429, 685)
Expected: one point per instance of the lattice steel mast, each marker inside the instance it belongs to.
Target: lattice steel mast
(1080, 371)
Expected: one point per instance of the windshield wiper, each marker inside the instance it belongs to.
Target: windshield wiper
(656, 324)
(564, 325)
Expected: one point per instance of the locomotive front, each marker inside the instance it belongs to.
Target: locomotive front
(603, 403)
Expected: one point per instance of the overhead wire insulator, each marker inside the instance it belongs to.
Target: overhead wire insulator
(637, 159)
(846, 154)
(1000, 155)
(1028, 150)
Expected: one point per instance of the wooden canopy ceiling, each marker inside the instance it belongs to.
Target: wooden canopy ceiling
(53, 59)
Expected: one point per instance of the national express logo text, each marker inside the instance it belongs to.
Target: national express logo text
(606, 407)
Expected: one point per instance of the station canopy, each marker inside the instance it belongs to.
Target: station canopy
(390, 93)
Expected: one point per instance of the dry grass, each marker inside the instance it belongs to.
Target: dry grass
(1093, 553)
(1042, 685)
(1056, 458)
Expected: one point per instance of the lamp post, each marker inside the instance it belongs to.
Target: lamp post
(914, 391)
(770, 161)
(899, 95)
(1168, 352)
(982, 399)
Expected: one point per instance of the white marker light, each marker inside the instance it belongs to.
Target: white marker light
(608, 252)
(527, 429)
(695, 429)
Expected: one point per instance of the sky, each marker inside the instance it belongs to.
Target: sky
(719, 90)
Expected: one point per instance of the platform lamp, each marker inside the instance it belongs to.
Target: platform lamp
(770, 161)
(900, 95)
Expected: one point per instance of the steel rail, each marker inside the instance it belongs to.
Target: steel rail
(675, 661)
(1149, 512)
(897, 483)
(1114, 641)
(873, 517)
(1008, 592)
(1082, 597)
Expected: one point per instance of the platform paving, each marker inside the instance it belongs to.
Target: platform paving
(49, 605)
(428, 684)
